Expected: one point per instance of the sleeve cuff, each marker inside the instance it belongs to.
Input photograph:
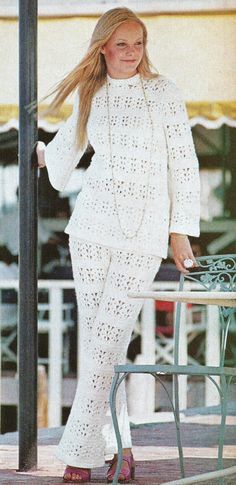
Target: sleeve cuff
(189, 231)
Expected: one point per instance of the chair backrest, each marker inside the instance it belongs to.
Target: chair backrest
(214, 273)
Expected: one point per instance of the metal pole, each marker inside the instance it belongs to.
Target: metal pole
(27, 347)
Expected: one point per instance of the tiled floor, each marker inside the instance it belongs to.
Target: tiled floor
(154, 450)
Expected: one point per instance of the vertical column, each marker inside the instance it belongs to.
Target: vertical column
(183, 356)
(149, 348)
(212, 397)
(27, 340)
(148, 344)
(142, 404)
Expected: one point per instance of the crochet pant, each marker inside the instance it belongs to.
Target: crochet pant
(103, 276)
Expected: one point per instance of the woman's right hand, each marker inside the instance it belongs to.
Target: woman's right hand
(40, 150)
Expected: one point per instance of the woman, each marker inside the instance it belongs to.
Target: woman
(142, 186)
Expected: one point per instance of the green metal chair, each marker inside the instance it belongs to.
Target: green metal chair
(214, 273)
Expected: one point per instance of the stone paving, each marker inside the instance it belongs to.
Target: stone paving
(154, 450)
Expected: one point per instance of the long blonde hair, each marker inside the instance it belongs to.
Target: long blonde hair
(90, 74)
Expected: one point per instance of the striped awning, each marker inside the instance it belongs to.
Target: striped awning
(196, 50)
(209, 115)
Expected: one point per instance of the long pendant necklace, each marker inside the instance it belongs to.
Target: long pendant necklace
(128, 235)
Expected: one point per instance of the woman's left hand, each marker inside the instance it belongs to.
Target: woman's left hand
(182, 250)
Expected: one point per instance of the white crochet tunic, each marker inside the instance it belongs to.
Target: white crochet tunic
(172, 203)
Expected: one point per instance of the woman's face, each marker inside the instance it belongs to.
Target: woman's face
(124, 50)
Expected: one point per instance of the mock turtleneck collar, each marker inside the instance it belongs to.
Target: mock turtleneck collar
(124, 82)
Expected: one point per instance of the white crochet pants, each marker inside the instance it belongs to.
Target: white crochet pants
(103, 276)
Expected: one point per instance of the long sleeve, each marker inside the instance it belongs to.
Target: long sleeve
(61, 154)
(183, 170)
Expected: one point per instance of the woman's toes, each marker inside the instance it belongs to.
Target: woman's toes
(67, 476)
(75, 476)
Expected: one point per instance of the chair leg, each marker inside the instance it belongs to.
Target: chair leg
(177, 424)
(114, 388)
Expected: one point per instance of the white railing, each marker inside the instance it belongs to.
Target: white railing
(149, 343)
(55, 330)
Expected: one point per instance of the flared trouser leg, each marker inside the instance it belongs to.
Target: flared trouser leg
(107, 316)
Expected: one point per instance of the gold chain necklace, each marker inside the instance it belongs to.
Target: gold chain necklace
(130, 236)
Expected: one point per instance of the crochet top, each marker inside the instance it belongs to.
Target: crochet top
(172, 201)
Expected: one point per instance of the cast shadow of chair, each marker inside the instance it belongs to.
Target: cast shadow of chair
(215, 273)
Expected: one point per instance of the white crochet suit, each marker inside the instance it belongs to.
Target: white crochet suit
(103, 276)
(173, 197)
(106, 265)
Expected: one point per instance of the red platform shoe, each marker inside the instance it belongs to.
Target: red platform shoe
(126, 473)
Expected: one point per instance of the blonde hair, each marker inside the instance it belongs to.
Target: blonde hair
(90, 74)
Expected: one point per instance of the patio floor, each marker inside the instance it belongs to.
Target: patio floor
(154, 450)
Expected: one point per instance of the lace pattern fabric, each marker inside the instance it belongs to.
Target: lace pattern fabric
(173, 197)
(106, 320)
